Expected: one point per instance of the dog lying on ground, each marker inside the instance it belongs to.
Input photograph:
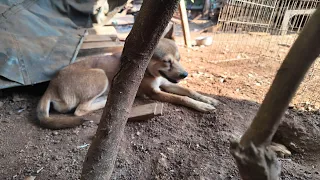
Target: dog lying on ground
(83, 86)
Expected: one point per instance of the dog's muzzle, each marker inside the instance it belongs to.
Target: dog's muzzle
(181, 76)
(184, 75)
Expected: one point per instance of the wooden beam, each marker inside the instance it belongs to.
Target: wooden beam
(140, 112)
(102, 30)
(97, 38)
(94, 48)
(175, 20)
(185, 23)
(99, 45)
(146, 111)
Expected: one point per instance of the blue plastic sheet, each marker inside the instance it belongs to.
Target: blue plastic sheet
(39, 37)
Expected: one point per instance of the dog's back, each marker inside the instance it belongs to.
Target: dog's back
(73, 85)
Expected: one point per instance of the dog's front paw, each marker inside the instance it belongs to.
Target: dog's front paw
(204, 107)
(210, 100)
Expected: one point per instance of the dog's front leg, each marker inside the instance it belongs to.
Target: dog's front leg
(176, 89)
(181, 100)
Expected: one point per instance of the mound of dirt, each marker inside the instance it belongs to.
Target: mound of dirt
(300, 132)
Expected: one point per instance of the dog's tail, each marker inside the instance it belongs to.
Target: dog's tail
(54, 122)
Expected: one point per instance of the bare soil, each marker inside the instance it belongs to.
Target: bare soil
(181, 144)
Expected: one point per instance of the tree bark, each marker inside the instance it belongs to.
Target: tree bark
(139, 46)
(253, 159)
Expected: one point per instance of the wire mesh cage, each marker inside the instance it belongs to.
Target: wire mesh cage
(265, 30)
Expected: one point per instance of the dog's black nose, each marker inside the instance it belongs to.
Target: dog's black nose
(184, 74)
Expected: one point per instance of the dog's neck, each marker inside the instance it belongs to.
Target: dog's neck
(148, 74)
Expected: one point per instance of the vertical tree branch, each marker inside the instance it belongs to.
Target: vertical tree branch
(139, 46)
(292, 71)
(254, 160)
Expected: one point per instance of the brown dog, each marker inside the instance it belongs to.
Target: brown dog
(83, 86)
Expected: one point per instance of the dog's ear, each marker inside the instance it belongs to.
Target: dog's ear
(169, 31)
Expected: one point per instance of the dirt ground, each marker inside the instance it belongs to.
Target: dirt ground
(181, 144)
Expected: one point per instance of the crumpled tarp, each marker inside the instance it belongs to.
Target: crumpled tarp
(39, 37)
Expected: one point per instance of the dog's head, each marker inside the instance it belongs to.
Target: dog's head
(165, 60)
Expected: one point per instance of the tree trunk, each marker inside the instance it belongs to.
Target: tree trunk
(139, 46)
(253, 159)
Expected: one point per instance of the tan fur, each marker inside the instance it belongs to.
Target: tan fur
(83, 86)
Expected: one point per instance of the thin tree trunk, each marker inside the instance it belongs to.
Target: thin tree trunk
(253, 159)
(139, 46)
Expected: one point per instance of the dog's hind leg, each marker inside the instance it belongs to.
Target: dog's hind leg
(176, 89)
(87, 107)
(61, 106)
(96, 101)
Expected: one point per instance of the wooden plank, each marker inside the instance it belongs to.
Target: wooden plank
(102, 30)
(97, 38)
(175, 20)
(98, 51)
(140, 113)
(122, 36)
(185, 23)
(146, 111)
(98, 45)
(94, 48)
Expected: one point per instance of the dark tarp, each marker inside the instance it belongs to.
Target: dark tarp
(39, 37)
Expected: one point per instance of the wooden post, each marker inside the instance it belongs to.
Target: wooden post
(138, 49)
(206, 8)
(185, 23)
